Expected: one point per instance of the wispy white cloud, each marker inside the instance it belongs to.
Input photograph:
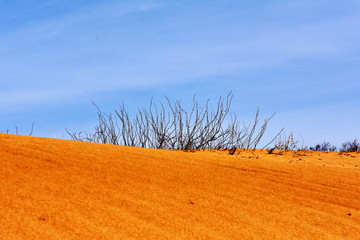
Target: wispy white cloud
(121, 46)
(21, 97)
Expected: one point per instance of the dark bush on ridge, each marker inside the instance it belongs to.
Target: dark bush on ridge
(325, 147)
(353, 146)
(171, 127)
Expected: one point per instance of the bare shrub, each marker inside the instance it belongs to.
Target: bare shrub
(171, 127)
(285, 143)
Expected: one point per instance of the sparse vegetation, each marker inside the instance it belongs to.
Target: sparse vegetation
(171, 127)
(324, 147)
(353, 146)
(285, 143)
(348, 146)
(17, 130)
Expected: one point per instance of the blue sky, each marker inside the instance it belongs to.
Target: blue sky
(299, 59)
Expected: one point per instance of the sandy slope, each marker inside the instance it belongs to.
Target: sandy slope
(57, 189)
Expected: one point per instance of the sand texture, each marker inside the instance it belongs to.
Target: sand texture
(59, 189)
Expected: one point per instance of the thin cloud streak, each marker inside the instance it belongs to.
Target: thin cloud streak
(79, 52)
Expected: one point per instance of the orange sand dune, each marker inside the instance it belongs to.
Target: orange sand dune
(58, 189)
